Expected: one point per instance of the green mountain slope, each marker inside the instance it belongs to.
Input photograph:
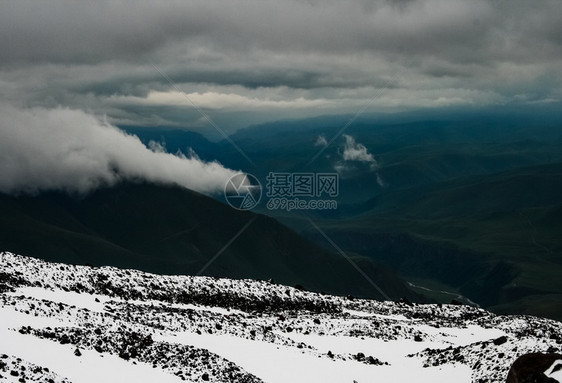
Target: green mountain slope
(471, 203)
(167, 229)
(494, 238)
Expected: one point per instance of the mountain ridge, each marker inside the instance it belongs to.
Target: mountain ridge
(169, 229)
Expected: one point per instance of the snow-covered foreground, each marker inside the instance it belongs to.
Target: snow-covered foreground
(61, 323)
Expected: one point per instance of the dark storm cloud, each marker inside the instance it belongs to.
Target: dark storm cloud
(71, 32)
(422, 52)
(76, 32)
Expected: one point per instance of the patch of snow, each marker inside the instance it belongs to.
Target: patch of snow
(90, 367)
(244, 330)
(280, 364)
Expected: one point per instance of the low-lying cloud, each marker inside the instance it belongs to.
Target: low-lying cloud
(356, 160)
(354, 151)
(321, 141)
(64, 149)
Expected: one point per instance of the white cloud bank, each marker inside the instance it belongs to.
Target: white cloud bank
(64, 149)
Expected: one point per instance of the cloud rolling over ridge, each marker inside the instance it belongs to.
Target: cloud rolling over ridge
(64, 149)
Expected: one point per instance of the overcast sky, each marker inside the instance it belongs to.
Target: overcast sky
(86, 67)
(248, 61)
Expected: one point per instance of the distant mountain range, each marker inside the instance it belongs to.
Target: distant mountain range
(493, 238)
(470, 204)
(469, 209)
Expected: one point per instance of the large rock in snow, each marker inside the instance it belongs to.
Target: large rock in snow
(535, 368)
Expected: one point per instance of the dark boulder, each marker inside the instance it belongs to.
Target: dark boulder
(501, 340)
(530, 368)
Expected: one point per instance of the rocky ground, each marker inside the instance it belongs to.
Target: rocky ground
(205, 329)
